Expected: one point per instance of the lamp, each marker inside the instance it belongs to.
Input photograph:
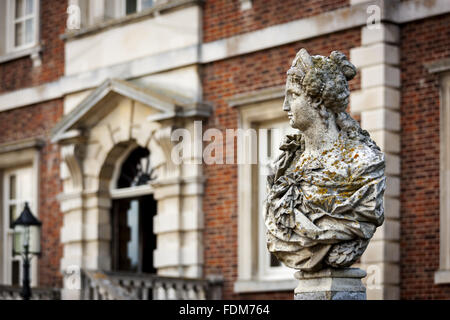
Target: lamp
(27, 231)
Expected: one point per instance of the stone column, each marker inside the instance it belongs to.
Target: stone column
(331, 284)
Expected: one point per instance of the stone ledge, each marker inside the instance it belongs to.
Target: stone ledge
(247, 286)
(335, 273)
(442, 277)
(18, 145)
(33, 52)
(438, 66)
(257, 96)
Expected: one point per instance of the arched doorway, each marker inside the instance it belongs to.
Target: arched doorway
(132, 211)
(114, 120)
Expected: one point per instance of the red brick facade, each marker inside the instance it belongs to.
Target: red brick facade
(421, 42)
(222, 80)
(37, 121)
(19, 73)
(224, 18)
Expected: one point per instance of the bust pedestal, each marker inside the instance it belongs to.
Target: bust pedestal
(331, 284)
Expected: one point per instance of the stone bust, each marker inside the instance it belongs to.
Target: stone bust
(325, 197)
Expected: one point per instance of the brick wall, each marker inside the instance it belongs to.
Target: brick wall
(224, 18)
(19, 73)
(221, 80)
(50, 215)
(37, 121)
(421, 42)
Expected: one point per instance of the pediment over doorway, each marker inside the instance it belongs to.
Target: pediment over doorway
(161, 105)
(113, 119)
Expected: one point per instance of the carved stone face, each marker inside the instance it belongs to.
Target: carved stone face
(297, 106)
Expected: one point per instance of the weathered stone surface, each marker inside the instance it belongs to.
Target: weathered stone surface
(331, 284)
(325, 196)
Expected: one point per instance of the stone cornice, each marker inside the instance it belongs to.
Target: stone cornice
(18, 145)
(438, 66)
(256, 96)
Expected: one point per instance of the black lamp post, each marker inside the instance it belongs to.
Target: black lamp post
(27, 231)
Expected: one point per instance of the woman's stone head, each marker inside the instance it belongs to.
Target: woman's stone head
(318, 81)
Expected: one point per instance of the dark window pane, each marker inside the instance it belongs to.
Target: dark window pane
(136, 169)
(274, 261)
(15, 273)
(12, 214)
(133, 238)
(12, 187)
(131, 6)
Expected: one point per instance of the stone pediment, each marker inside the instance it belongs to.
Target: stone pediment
(163, 104)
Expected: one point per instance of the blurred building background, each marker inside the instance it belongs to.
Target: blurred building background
(91, 92)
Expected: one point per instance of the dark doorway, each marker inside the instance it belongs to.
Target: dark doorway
(133, 238)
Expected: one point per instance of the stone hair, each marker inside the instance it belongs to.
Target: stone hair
(324, 81)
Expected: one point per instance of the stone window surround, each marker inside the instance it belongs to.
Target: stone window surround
(18, 153)
(32, 50)
(10, 21)
(254, 107)
(442, 67)
(33, 53)
(132, 18)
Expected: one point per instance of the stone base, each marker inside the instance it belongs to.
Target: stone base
(331, 284)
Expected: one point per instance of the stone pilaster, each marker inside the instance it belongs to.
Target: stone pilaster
(378, 103)
(179, 222)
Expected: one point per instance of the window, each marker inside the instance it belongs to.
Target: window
(268, 148)
(132, 213)
(441, 69)
(22, 24)
(136, 170)
(133, 6)
(98, 11)
(133, 240)
(442, 276)
(258, 270)
(17, 190)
